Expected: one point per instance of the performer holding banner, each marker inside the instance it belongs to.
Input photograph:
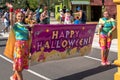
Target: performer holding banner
(17, 47)
(106, 27)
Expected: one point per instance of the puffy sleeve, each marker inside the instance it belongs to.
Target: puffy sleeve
(113, 22)
(101, 22)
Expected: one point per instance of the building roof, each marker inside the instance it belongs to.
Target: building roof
(80, 2)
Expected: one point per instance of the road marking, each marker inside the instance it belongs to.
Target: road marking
(92, 58)
(39, 75)
(30, 71)
(6, 59)
(96, 59)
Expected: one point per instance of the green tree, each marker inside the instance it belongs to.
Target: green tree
(33, 4)
(20, 4)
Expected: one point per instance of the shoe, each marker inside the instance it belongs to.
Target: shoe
(107, 63)
(14, 77)
(103, 63)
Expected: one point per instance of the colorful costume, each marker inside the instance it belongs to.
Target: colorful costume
(105, 38)
(108, 24)
(21, 50)
(20, 47)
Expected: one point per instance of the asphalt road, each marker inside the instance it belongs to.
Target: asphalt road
(77, 68)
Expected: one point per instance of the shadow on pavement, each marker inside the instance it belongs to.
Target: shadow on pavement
(3, 45)
(86, 73)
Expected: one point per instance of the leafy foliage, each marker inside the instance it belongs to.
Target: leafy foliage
(32, 4)
(20, 4)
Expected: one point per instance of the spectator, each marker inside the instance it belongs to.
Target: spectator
(82, 15)
(29, 19)
(67, 17)
(27, 12)
(72, 16)
(64, 9)
(44, 17)
(38, 13)
(6, 21)
(77, 21)
(62, 17)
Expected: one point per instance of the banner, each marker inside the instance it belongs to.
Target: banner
(52, 42)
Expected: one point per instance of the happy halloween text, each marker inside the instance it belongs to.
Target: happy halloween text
(64, 39)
